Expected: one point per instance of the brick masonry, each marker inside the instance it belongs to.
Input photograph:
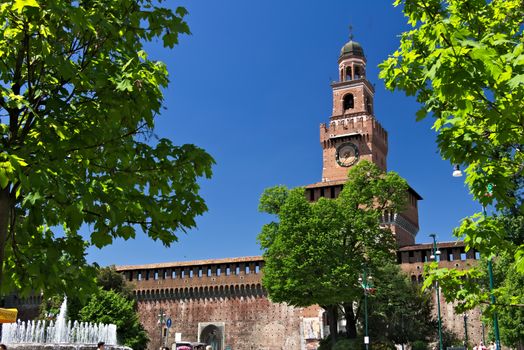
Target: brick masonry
(226, 295)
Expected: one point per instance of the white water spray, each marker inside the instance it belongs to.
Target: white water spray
(59, 332)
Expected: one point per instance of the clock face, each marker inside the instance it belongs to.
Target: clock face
(347, 154)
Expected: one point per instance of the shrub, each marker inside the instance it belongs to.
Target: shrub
(419, 345)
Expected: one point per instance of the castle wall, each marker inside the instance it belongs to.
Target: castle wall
(225, 295)
(228, 294)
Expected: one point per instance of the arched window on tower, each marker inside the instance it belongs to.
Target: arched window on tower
(359, 72)
(348, 102)
(341, 76)
(348, 73)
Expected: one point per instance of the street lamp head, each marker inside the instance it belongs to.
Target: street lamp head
(360, 280)
(370, 278)
(437, 252)
(432, 257)
(456, 171)
(432, 235)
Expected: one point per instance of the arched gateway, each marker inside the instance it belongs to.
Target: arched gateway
(213, 335)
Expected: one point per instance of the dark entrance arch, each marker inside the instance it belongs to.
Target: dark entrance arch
(212, 335)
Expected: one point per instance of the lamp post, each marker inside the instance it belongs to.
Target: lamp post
(365, 282)
(465, 315)
(495, 318)
(434, 257)
(161, 318)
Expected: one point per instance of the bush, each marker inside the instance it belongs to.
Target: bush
(325, 344)
(383, 345)
(342, 344)
(419, 345)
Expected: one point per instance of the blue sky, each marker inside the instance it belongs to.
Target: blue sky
(251, 86)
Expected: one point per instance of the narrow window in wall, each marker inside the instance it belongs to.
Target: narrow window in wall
(228, 271)
(257, 268)
(173, 274)
(311, 195)
(322, 194)
(139, 276)
(369, 104)
(332, 192)
(147, 275)
(191, 272)
(237, 270)
(219, 270)
(247, 270)
(199, 272)
(130, 275)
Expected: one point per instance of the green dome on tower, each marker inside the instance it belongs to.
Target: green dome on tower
(352, 48)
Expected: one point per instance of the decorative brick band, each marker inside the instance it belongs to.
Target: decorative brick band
(194, 293)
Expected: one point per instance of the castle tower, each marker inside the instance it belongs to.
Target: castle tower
(353, 134)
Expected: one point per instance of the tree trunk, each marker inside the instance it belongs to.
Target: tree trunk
(332, 315)
(5, 209)
(351, 321)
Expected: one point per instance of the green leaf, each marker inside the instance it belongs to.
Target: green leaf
(516, 81)
(19, 5)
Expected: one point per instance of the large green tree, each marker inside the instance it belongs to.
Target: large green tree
(315, 252)
(78, 102)
(464, 62)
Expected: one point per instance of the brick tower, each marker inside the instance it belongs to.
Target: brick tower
(353, 134)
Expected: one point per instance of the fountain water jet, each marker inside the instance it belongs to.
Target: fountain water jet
(63, 334)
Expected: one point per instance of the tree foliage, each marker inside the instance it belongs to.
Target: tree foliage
(110, 279)
(400, 312)
(78, 101)
(464, 62)
(108, 306)
(315, 252)
(510, 293)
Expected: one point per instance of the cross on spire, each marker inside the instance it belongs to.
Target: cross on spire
(350, 32)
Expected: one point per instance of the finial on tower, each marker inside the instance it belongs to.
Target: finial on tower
(351, 48)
